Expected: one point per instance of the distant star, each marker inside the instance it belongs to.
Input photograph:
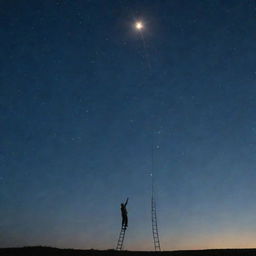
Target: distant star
(139, 25)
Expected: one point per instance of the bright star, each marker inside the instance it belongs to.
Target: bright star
(139, 25)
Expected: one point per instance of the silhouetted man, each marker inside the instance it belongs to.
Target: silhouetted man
(124, 214)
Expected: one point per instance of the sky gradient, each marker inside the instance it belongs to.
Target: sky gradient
(80, 107)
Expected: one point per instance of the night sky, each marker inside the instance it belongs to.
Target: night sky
(82, 99)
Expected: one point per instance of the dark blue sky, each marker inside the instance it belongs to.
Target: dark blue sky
(79, 109)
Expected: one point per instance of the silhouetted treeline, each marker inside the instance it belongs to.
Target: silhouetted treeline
(48, 251)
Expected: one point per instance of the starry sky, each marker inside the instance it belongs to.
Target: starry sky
(82, 100)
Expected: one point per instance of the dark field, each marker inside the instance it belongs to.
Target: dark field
(47, 251)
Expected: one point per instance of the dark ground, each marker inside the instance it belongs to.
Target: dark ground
(48, 251)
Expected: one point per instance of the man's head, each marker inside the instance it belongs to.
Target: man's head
(122, 205)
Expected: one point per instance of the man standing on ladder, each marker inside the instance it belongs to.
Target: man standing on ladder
(124, 214)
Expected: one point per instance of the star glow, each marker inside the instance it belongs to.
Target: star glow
(139, 25)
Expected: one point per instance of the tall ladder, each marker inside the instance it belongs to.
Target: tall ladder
(153, 210)
(121, 239)
(154, 225)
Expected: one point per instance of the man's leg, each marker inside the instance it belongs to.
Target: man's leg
(126, 221)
